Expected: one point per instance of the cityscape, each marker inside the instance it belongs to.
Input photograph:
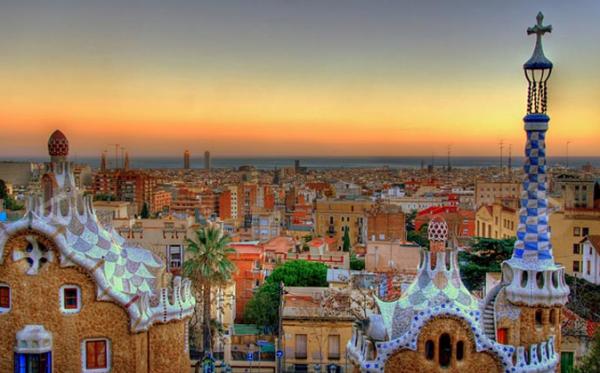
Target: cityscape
(148, 226)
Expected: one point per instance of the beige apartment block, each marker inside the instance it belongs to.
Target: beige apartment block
(316, 328)
(488, 192)
(333, 217)
(496, 221)
(569, 228)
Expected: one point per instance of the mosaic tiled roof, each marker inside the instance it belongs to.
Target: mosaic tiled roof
(431, 287)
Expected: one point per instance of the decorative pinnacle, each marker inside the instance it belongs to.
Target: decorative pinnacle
(539, 29)
(538, 60)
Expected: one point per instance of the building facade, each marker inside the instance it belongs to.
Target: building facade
(78, 298)
(334, 217)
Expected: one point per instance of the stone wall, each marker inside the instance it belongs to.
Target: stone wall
(167, 343)
(416, 361)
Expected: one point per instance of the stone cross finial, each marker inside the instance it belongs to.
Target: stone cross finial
(539, 29)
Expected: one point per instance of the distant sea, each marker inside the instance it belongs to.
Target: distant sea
(270, 163)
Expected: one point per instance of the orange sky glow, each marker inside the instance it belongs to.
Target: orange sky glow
(269, 100)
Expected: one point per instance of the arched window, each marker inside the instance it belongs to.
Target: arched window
(538, 317)
(553, 317)
(429, 350)
(460, 350)
(524, 278)
(445, 350)
(539, 278)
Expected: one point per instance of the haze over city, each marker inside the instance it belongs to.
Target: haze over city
(281, 78)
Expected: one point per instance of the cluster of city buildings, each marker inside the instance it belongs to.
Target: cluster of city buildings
(91, 271)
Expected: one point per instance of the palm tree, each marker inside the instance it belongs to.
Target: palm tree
(208, 266)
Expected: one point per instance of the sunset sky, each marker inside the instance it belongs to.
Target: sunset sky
(292, 77)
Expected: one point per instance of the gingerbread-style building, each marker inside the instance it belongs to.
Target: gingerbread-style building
(75, 297)
(438, 326)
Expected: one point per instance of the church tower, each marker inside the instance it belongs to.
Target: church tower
(534, 284)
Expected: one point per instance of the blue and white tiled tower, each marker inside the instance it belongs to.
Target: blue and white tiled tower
(533, 277)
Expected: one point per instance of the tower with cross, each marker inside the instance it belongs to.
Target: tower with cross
(533, 281)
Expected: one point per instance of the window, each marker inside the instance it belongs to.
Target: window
(4, 298)
(576, 266)
(538, 317)
(429, 350)
(301, 346)
(460, 350)
(502, 335)
(445, 352)
(576, 248)
(333, 344)
(589, 268)
(96, 355)
(576, 231)
(553, 316)
(70, 299)
(33, 363)
(585, 231)
(175, 256)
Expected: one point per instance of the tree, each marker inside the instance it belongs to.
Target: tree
(356, 264)
(207, 266)
(486, 255)
(9, 202)
(145, 214)
(419, 237)
(3, 190)
(346, 240)
(591, 361)
(263, 308)
(584, 299)
(410, 221)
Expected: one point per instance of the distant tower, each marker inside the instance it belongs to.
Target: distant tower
(186, 159)
(510, 161)
(126, 162)
(207, 160)
(533, 281)
(103, 162)
(297, 165)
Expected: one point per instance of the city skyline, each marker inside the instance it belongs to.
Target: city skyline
(291, 79)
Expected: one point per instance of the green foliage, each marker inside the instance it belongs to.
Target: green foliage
(104, 197)
(3, 190)
(410, 220)
(305, 242)
(419, 237)
(591, 361)
(208, 261)
(346, 241)
(300, 273)
(145, 214)
(9, 202)
(486, 255)
(207, 265)
(356, 264)
(584, 299)
(263, 308)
